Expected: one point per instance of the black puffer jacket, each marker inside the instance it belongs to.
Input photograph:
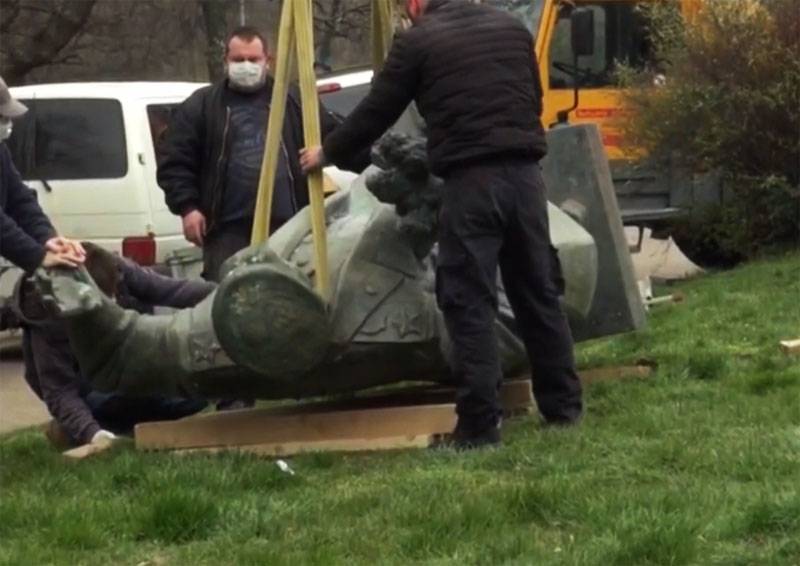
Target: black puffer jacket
(24, 228)
(195, 150)
(472, 71)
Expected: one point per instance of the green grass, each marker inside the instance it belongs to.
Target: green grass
(699, 464)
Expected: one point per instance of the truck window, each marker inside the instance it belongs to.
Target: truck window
(620, 36)
(158, 117)
(65, 138)
(529, 11)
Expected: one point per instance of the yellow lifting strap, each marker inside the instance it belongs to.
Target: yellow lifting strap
(382, 30)
(296, 39)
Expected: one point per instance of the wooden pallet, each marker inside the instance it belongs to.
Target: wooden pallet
(411, 417)
(408, 418)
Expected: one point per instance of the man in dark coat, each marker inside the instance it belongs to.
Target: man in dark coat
(472, 71)
(213, 148)
(27, 238)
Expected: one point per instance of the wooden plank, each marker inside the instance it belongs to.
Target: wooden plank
(318, 425)
(90, 449)
(790, 347)
(261, 426)
(516, 396)
(380, 421)
(614, 373)
(677, 297)
(339, 445)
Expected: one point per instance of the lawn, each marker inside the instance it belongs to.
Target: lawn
(698, 464)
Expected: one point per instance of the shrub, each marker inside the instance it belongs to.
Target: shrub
(731, 104)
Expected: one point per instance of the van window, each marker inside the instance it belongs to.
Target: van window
(344, 101)
(620, 36)
(159, 117)
(60, 139)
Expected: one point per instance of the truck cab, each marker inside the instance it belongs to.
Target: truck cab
(617, 34)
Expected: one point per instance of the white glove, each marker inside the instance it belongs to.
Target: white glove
(103, 435)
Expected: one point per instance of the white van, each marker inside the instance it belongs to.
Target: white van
(89, 151)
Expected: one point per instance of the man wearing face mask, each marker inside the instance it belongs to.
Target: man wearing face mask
(27, 238)
(485, 139)
(213, 150)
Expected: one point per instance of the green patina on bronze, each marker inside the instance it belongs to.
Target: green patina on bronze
(264, 333)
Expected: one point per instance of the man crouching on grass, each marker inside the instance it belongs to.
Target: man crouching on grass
(80, 414)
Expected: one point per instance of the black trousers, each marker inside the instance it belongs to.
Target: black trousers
(224, 241)
(495, 214)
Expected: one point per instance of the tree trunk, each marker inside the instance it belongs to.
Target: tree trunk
(326, 29)
(34, 33)
(215, 18)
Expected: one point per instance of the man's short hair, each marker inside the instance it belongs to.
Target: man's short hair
(247, 33)
(103, 267)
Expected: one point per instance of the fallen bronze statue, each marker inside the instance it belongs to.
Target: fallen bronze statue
(265, 333)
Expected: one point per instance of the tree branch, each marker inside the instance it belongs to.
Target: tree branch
(34, 50)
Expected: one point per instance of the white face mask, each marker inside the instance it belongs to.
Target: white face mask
(6, 126)
(246, 76)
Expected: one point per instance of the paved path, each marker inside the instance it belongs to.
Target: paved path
(19, 407)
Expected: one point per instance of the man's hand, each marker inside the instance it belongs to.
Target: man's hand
(60, 244)
(194, 227)
(311, 159)
(61, 259)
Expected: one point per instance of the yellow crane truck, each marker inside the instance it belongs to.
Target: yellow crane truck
(578, 45)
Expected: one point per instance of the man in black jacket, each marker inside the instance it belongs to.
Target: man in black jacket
(80, 414)
(27, 238)
(472, 71)
(213, 149)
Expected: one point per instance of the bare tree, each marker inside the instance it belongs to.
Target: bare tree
(36, 31)
(346, 20)
(90, 40)
(132, 40)
(215, 16)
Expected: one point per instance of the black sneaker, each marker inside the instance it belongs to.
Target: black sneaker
(466, 437)
(483, 439)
